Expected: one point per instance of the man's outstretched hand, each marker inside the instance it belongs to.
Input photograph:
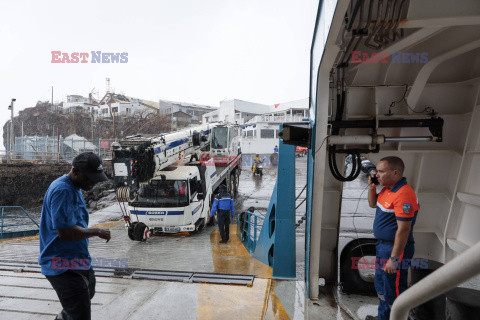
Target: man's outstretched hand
(104, 234)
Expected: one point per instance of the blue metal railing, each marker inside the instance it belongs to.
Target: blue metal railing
(4, 234)
(250, 230)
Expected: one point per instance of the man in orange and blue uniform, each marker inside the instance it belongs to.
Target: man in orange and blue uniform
(397, 208)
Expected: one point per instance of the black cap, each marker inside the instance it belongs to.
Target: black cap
(90, 164)
(222, 188)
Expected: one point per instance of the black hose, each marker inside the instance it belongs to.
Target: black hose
(339, 111)
(356, 161)
(356, 165)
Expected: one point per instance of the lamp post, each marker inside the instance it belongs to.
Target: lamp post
(7, 149)
(11, 142)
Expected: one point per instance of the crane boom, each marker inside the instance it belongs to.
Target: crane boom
(137, 158)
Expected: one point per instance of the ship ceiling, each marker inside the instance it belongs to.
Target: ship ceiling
(446, 41)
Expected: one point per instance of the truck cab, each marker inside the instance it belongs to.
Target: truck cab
(225, 144)
(174, 200)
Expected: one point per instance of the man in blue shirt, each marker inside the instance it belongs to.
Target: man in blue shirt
(224, 206)
(64, 234)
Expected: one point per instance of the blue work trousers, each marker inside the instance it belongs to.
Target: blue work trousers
(390, 285)
(223, 218)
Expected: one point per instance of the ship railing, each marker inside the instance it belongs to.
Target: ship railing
(460, 269)
(250, 227)
(13, 223)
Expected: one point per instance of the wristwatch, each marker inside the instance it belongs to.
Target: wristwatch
(395, 259)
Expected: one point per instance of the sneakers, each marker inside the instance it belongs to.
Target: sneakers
(223, 241)
(371, 318)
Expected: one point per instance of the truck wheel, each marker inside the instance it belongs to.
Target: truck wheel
(130, 230)
(198, 226)
(350, 279)
(211, 221)
(141, 232)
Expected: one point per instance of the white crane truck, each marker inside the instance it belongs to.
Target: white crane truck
(169, 181)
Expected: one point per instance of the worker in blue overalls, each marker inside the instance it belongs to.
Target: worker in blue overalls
(224, 206)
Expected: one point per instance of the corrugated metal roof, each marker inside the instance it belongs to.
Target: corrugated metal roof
(78, 143)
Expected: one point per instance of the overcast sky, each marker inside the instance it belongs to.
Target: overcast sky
(198, 51)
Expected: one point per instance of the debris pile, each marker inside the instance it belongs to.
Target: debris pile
(24, 184)
(101, 196)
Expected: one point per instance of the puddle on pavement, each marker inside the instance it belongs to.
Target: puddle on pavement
(233, 258)
(239, 302)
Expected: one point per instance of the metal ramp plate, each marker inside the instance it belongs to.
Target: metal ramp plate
(161, 275)
(224, 278)
(195, 277)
